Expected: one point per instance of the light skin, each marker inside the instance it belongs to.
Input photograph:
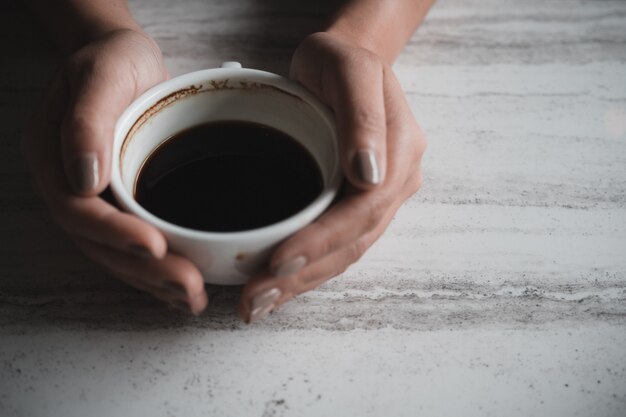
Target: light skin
(110, 61)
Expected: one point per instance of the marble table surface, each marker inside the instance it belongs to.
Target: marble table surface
(499, 289)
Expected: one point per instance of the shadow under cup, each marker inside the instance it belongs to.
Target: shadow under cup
(217, 95)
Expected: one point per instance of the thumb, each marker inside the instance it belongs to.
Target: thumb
(350, 81)
(355, 93)
(97, 98)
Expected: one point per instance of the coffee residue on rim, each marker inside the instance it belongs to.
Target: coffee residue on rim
(214, 85)
(154, 109)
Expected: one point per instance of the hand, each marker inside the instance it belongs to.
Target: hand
(68, 148)
(381, 149)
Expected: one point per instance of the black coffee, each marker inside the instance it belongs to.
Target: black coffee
(228, 176)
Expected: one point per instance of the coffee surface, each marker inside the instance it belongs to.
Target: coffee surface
(228, 176)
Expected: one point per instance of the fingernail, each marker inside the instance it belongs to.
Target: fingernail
(86, 173)
(140, 250)
(175, 288)
(200, 299)
(264, 303)
(290, 267)
(365, 166)
(182, 306)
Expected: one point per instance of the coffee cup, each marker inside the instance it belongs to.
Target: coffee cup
(229, 93)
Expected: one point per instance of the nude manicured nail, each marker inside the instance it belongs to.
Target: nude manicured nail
(264, 303)
(140, 251)
(86, 172)
(290, 267)
(365, 166)
(182, 306)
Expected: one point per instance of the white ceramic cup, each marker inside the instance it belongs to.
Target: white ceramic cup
(226, 93)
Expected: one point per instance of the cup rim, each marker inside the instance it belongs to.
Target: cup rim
(180, 83)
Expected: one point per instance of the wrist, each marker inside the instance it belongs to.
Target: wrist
(382, 27)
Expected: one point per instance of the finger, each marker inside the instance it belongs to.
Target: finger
(171, 300)
(264, 293)
(342, 224)
(353, 86)
(92, 217)
(172, 279)
(95, 219)
(359, 213)
(99, 93)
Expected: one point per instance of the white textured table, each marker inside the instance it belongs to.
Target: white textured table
(499, 289)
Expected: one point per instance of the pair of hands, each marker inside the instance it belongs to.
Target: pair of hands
(68, 149)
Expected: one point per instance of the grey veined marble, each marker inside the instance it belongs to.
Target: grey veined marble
(499, 289)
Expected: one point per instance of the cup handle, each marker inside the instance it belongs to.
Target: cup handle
(230, 64)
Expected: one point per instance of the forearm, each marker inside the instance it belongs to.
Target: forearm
(74, 23)
(382, 26)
